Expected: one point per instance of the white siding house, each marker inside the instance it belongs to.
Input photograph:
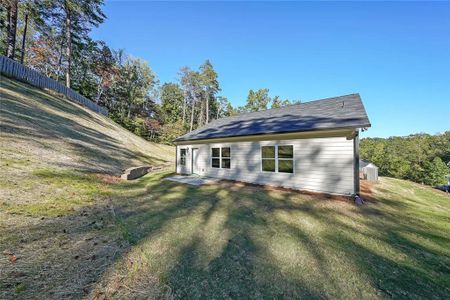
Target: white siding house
(324, 160)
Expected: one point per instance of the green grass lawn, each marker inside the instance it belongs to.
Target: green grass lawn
(77, 231)
(227, 240)
(232, 241)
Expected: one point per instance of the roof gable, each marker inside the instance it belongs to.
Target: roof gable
(331, 113)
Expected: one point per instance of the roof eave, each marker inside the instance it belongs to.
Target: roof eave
(367, 125)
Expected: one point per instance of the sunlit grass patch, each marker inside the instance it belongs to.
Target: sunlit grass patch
(59, 189)
(62, 193)
(237, 241)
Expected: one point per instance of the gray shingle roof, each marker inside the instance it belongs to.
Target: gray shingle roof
(331, 113)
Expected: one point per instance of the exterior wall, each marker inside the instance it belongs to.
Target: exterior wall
(320, 164)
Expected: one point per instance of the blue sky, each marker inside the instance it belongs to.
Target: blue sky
(395, 54)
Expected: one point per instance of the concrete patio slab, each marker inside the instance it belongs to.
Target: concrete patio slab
(192, 179)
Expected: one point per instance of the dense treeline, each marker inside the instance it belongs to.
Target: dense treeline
(52, 36)
(420, 157)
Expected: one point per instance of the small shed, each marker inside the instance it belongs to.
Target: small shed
(368, 171)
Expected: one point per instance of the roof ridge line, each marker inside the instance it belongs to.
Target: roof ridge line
(283, 107)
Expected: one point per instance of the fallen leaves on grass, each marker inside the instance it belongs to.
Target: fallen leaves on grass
(11, 256)
(108, 179)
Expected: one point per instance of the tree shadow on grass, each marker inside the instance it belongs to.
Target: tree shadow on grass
(221, 241)
(243, 269)
(425, 268)
(42, 117)
(399, 278)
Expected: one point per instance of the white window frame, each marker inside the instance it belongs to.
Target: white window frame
(185, 157)
(277, 158)
(293, 159)
(220, 157)
(226, 157)
(216, 157)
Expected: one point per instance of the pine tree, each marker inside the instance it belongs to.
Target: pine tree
(74, 18)
(12, 13)
(210, 84)
(257, 100)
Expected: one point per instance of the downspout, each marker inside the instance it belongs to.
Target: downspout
(356, 163)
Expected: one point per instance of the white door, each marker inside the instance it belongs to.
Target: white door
(195, 168)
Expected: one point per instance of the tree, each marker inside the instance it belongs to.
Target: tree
(171, 131)
(30, 18)
(210, 83)
(84, 79)
(153, 128)
(12, 13)
(24, 36)
(75, 18)
(134, 84)
(191, 83)
(277, 102)
(224, 108)
(105, 68)
(185, 83)
(257, 100)
(44, 57)
(172, 99)
(435, 172)
(419, 157)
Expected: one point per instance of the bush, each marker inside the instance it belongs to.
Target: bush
(140, 128)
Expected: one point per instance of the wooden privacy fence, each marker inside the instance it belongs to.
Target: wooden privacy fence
(16, 70)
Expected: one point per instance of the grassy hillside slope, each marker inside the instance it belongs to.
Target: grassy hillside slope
(55, 159)
(70, 230)
(68, 136)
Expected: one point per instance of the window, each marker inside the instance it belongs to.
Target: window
(221, 157)
(215, 154)
(286, 159)
(226, 157)
(268, 158)
(279, 158)
(183, 157)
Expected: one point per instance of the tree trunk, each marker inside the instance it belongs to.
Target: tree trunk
(192, 113)
(184, 109)
(8, 27)
(24, 36)
(207, 108)
(12, 29)
(68, 45)
(58, 70)
(99, 89)
(202, 111)
(130, 103)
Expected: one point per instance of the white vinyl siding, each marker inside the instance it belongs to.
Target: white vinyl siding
(319, 164)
